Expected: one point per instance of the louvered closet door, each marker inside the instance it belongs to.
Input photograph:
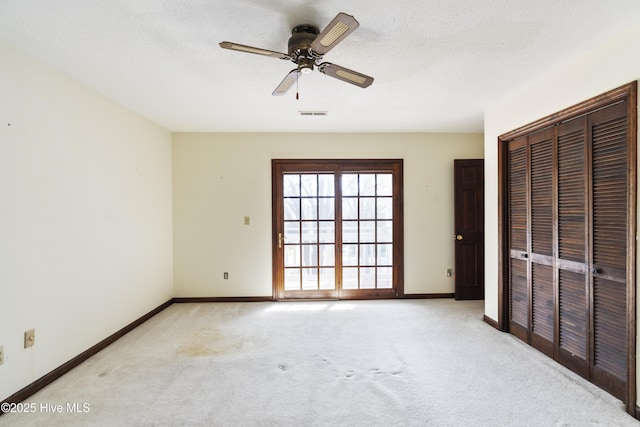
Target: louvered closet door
(542, 236)
(573, 305)
(571, 240)
(609, 233)
(518, 243)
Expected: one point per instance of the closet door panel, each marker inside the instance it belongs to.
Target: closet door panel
(573, 295)
(518, 205)
(542, 236)
(610, 350)
(572, 200)
(609, 136)
(519, 299)
(573, 321)
(518, 240)
(609, 258)
(542, 194)
(542, 294)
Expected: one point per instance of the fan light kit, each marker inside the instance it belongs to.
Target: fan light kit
(307, 46)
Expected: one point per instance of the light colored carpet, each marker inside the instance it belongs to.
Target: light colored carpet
(363, 363)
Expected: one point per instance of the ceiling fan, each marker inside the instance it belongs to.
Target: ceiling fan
(307, 46)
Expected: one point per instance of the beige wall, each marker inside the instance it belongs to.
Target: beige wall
(221, 178)
(85, 218)
(612, 65)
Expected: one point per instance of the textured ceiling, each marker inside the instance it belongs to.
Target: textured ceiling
(437, 64)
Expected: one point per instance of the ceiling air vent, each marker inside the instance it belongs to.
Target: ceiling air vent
(312, 113)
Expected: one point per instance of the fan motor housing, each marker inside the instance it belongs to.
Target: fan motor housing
(301, 38)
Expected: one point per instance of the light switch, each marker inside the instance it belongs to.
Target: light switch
(29, 338)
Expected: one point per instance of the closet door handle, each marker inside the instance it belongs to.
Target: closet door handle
(596, 270)
(525, 256)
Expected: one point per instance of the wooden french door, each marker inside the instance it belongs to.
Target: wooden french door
(337, 229)
(569, 230)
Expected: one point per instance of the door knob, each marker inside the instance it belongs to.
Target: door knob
(459, 237)
(595, 270)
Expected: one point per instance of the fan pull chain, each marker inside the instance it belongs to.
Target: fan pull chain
(297, 93)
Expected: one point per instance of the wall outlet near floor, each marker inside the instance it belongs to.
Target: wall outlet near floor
(29, 338)
(449, 272)
(1, 355)
(226, 275)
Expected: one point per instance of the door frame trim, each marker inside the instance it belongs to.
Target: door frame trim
(630, 93)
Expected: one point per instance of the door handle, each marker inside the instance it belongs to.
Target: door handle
(279, 240)
(525, 256)
(459, 237)
(596, 270)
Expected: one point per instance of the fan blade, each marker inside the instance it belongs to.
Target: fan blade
(256, 50)
(288, 81)
(345, 74)
(339, 28)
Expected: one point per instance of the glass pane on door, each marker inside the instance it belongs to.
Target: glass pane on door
(367, 230)
(309, 231)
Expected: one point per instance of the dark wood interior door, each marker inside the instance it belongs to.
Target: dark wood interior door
(469, 228)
